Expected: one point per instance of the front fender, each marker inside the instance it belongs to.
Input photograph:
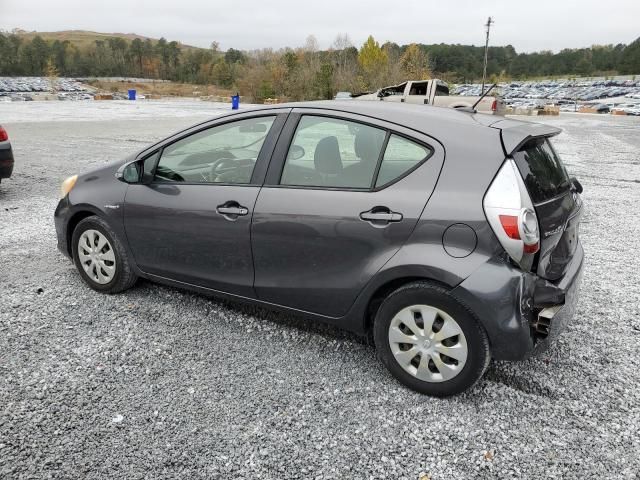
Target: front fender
(96, 193)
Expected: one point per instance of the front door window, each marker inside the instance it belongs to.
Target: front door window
(223, 154)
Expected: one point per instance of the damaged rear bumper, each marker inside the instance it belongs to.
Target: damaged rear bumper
(562, 304)
(521, 312)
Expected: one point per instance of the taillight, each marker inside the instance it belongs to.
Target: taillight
(510, 226)
(494, 105)
(510, 213)
(4, 136)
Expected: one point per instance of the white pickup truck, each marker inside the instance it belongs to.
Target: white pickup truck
(432, 92)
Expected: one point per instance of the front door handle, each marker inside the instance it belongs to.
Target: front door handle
(232, 210)
(381, 216)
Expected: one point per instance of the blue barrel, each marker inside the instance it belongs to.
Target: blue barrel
(235, 102)
(132, 94)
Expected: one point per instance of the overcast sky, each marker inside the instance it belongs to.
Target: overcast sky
(249, 24)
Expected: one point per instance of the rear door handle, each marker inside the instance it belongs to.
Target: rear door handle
(381, 216)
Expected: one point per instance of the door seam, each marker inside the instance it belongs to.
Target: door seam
(253, 210)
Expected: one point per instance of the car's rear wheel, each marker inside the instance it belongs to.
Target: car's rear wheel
(430, 341)
(100, 257)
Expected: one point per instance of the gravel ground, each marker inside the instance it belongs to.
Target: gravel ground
(161, 383)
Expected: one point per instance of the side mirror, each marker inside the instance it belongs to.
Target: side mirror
(135, 172)
(576, 186)
(129, 172)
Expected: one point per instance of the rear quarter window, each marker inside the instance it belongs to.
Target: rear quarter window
(401, 156)
(542, 170)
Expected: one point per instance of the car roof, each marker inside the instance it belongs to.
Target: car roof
(442, 123)
(416, 117)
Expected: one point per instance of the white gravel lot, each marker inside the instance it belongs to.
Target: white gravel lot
(162, 383)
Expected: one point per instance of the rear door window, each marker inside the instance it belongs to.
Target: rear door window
(334, 153)
(542, 170)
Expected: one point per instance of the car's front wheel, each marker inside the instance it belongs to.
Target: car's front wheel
(430, 341)
(100, 257)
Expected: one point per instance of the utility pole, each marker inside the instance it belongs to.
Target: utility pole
(486, 52)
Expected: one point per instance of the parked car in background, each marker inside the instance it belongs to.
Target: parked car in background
(6, 155)
(39, 84)
(349, 213)
(558, 90)
(627, 108)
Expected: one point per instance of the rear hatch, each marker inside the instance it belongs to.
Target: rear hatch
(558, 207)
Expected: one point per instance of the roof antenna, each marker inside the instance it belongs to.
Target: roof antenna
(472, 109)
(484, 95)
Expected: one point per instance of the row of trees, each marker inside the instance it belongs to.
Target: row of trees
(306, 72)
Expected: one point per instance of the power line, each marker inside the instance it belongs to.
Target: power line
(490, 21)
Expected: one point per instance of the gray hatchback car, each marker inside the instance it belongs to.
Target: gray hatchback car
(449, 237)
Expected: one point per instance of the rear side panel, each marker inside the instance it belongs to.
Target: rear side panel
(442, 246)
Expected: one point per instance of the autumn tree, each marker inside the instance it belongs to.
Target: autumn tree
(52, 74)
(373, 62)
(415, 63)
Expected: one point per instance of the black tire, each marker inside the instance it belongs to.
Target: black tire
(425, 293)
(124, 277)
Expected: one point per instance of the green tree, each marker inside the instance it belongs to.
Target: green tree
(173, 49)
(118, 52)
(630, 58)
(10, 54)
(235, 56)
(162, 52)
(136, 53)
(324, 81)
(36, 56)
(222, 73)
(60, 55)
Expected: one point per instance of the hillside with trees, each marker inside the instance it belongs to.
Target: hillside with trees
(306, 72)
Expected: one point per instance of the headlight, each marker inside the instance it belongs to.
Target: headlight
(67, 185)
